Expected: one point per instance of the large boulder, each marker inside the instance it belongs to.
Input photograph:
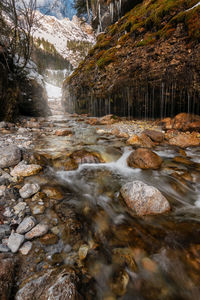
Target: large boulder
(9, 156)
(143, 199)
(51, 285)
(183, 122)
(24, 170)
(154, 135)
(144, 159)
(184, 140)
(140, 141)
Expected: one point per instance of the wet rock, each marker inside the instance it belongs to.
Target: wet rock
(8, 213)
(184, 140)
(32, 124)
(9, 156)
(26, 248)
(52, 192)
(3, 124)
(183, 160)
(124, 256)
(37, 209)
(120, 282)
(20, 207)
(63, 132)
(83, 157)
(14, 242)
(154, 135)
(140, 141)
(37, 231)
(2, 190)
(108, 119)
(92, 121)
(166, 123)
(6, 275)
(83, 251)
(24, 170)
(52, 284)
(185, 121)
(149, 265)
(144, 159)
(29, 189)
(49, 239)
(4, 230)
(26, 225)
(4, 248)
(143, 199)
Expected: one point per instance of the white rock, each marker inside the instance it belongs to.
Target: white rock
(8, 213)
(29, 189)
(26, 225)
(14, 242)
(26, 248)
(37, 231)
(21, 206)
(9, 156)
(143, 199)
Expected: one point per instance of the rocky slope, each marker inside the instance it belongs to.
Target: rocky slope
(71, 39)
(146, 65)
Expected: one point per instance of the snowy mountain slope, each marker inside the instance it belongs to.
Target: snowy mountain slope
(61, 32)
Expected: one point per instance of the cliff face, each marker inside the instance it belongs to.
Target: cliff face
(146, 65)
(19, 94)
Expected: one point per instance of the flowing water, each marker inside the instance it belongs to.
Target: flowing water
(119, 255)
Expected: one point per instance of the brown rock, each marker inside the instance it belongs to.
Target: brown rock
(184, 140)
(83, 156)
(140, 141)
(184, 121)
(49, 239)
(52, 192)
(167, 123)
(6, 275)
(63, 132)
(24, 170)
(109, 119)
(144, 159)
(156, 136)
(92, 121)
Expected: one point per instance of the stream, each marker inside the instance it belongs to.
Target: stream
(116, 254)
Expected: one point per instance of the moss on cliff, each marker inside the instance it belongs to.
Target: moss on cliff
(155, 41)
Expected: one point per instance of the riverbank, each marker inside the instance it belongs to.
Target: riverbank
(68, 228)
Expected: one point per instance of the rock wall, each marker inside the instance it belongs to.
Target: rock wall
(106, 12)
(18, 94)
(146, 65)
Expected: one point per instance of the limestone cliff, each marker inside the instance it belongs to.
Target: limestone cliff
(147, 64)
(19, 93)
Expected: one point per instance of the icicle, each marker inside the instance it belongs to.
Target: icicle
(112, 11)
(100, 22)
(188, 108)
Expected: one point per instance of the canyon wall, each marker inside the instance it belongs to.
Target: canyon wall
(147, 64)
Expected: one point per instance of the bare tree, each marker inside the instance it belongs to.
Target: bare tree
(17, 16)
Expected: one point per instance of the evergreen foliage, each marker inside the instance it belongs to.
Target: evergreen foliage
(46, 56)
